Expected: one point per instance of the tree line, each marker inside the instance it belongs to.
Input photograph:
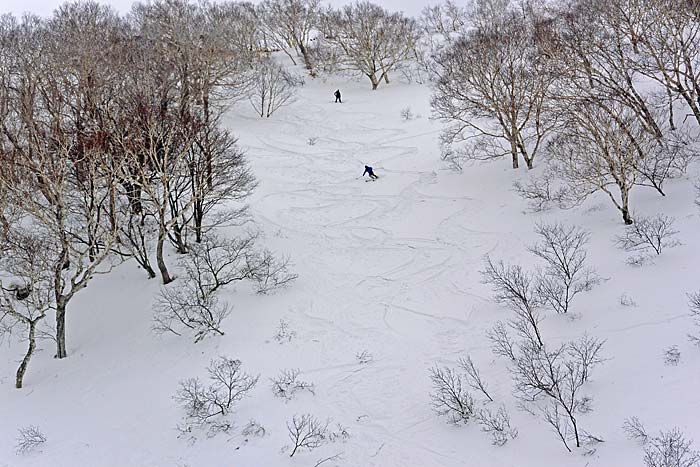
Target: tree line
(607, 92)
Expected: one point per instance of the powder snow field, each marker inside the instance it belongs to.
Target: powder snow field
(390, 267)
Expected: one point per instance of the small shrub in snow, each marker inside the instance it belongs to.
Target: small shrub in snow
(307, 432)
(287, 384)
(639, 260)
(672, 356)
(670, 449)
(29, 439)
(627, 301)
(406, 114)
(340, 433)
(634, 429)
(566, 274)
(284, 332)
(254, 428)
(648, 234)
(312, 140)
(450, 397)
(210, 405)
(541, 193)
(497, 424)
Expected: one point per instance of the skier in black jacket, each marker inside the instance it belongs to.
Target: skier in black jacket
(370, 172)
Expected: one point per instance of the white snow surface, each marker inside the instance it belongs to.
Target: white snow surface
(390, 267)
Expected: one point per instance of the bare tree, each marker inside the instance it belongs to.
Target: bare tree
(648, 233)
(210, 266)
(474, 379)
(450, 396)
(492, 89)
(634, 429)
(556, 378)
(593, 152)
(446, 19)
(287, 384)
(514, 288)
(209, 405)
(273, 88)
(497, 424)
(670, 449)
(289, 24)
(501, 342)
(56, 169)
(26, 300)
(307, 432)
(30, 438)
(366, 38)
(566, 274)
(593, 51)
(666, 36)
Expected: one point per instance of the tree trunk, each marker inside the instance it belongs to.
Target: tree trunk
(307, 60)
(159, 258)
(374, 80)
(19, 379)
(61, 328)
(514, 152)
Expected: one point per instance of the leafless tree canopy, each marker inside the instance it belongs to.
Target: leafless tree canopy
(492, 89)
(366, 38)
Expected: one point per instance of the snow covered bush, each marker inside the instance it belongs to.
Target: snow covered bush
(648, 234)
(450, 397)
(672, 356)
(406, 114)
(287, 384)
(209, 405)
(497, 424)
(670, 449)
(30, 438)
(566, 273)
(253, 428)
(284, 332)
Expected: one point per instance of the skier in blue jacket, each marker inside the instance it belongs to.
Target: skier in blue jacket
(370, 172)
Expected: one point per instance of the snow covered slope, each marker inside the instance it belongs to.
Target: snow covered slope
(390, 268)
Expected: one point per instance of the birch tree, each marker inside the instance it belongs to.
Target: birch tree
(368, 39)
